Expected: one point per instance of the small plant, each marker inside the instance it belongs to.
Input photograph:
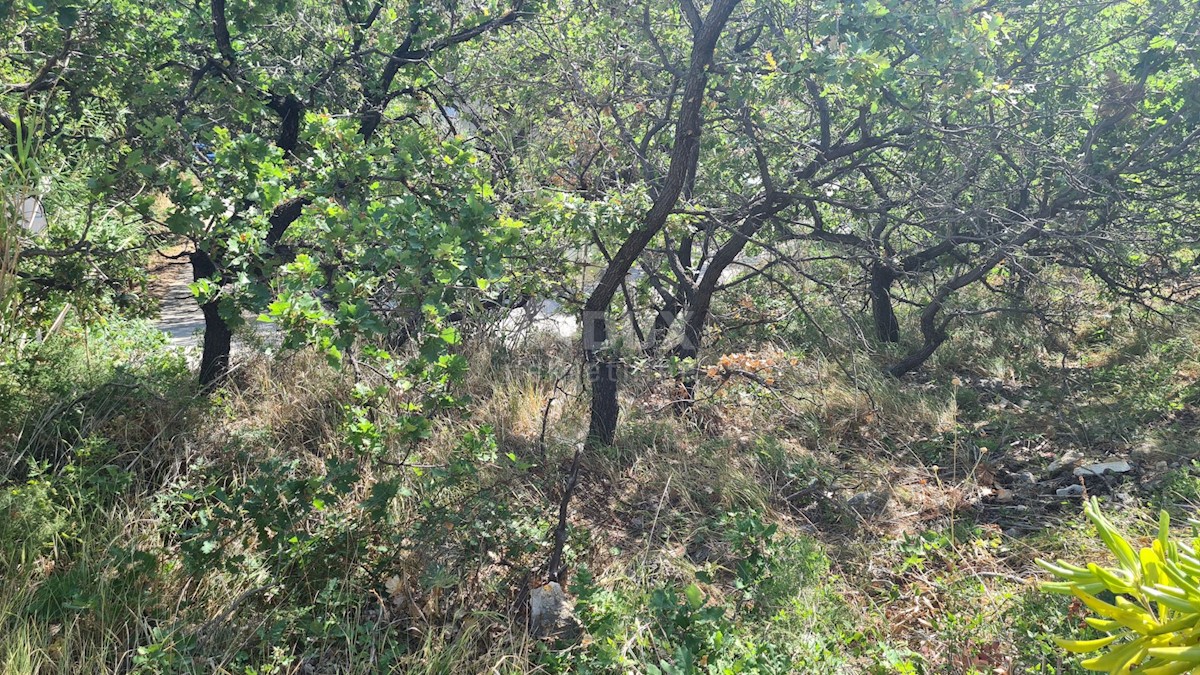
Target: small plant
(1153, 621)
(752, 544)
(664, 630)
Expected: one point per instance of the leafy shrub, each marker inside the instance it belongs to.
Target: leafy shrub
(55, 396)
(690, 632)
(1151, 623)
(30, 519)
(763, 622)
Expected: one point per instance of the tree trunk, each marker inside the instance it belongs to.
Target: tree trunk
(291, 111)
(933, 333)
(218, 338)
(932, 337)
(602, 370)
(887, 328)
(605, 408)
(663, 320)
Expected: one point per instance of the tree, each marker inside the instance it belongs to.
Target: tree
(778, 133)
(375, 69)
(1020, 177)
(62, 125)
(603, 369)
(228, 108)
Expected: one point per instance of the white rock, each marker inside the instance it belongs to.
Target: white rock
(1069, 457)
(1074, 490)
(1119, 466)
(547, 608)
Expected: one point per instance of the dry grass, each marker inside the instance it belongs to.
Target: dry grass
(939, 574)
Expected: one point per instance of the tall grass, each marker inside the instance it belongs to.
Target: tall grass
(19, 174)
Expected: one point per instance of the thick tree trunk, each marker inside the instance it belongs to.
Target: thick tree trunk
(605, 409)
(291, 111)
(218, 337)
(887, 328)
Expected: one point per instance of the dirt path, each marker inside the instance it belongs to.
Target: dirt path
(179, 315)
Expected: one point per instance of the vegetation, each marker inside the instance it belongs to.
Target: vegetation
(755, 336)
(1159, 618)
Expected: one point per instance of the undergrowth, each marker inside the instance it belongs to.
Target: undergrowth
(829, 521)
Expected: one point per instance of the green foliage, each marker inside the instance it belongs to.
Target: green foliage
(57, 394)
(386, 257)
(1036, 646)
(689, 634)
(1179, 489)
(382, 179)
(770, 620)
(752, 545)
(32, 517)
(1150, 621)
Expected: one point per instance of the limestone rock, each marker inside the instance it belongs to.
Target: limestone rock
(1073, 490)
(548, 610)
(1101, 468)
(1068, 458)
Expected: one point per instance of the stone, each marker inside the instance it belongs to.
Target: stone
(1119, 466)
(1148, 446)
(548, 610)
(1073, 490)
(1068, 458)
(1023, 478)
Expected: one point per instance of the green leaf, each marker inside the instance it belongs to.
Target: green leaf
(68, 15)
